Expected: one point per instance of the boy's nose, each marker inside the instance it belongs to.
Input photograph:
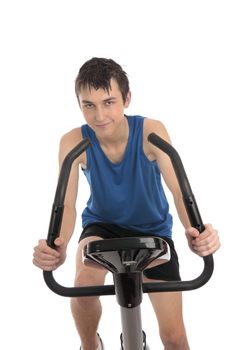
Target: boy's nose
(99, 115)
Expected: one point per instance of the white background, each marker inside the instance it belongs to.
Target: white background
(178, 56)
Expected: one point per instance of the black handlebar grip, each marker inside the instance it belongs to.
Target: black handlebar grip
(58, 205)
(188, 197)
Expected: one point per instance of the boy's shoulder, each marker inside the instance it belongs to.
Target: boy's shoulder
(157, 127)
(72, 135)
(153, 125)
(69, 140)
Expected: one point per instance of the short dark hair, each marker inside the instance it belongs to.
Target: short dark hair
(98, 72)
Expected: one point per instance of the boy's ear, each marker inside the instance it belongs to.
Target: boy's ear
(128, 99)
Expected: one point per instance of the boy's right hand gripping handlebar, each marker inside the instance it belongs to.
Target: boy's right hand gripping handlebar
(192, 211)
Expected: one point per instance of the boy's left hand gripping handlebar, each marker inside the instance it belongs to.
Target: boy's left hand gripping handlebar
(55, 226)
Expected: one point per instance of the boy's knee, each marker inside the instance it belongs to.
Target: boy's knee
(84, 278)
(175, 339)
(89, 277)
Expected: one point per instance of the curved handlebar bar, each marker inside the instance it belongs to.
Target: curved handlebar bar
(194, 217)
(190, 205)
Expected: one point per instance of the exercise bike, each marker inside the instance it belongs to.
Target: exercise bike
(126, 258)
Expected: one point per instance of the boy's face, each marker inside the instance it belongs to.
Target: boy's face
(103, 111)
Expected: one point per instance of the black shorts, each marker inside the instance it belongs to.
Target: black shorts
(168, 271)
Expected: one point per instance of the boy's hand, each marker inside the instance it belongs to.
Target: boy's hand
(205, 243)
(47, 258)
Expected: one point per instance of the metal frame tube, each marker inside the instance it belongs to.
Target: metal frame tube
(132, 328)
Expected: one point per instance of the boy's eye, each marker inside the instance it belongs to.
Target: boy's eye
(108, 103)
(88, 105)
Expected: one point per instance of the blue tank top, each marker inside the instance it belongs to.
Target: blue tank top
(128, 193)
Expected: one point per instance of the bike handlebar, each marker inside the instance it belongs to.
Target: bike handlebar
(190, 205)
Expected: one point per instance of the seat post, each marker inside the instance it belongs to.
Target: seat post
(128, 287)
(132, 328)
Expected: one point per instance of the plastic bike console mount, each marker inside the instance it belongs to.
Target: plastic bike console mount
(126, 257)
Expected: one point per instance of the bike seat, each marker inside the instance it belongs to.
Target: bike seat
(128, 254)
